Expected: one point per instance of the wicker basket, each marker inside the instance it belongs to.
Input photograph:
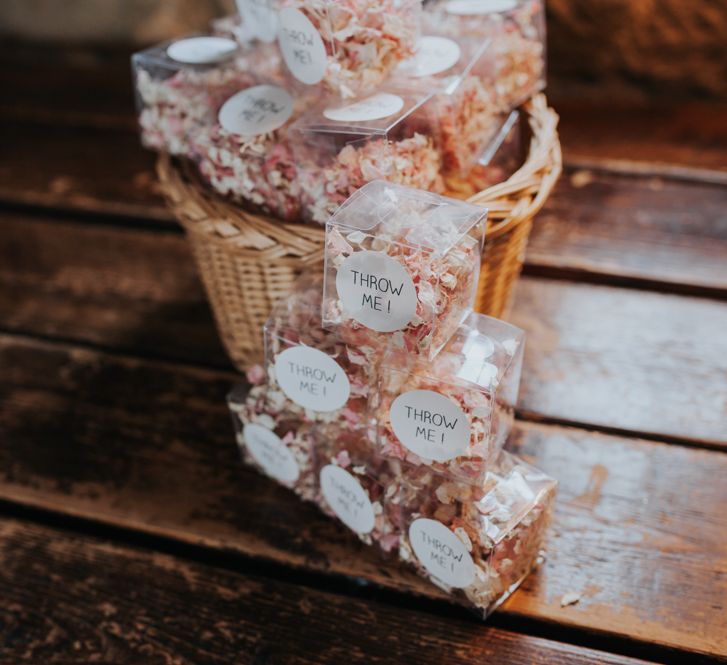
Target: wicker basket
(248, 261)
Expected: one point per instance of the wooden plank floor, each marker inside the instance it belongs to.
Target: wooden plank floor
(129, 532)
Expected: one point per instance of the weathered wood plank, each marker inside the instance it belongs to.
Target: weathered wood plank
(132, 290)
(648, 229)
(68, 597)
(624, 359)
(595, 355)
(94, 170)
(640, 530)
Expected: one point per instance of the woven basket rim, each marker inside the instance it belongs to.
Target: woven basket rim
(201, 211)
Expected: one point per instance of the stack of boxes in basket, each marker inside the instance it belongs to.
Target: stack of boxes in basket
(384, 399)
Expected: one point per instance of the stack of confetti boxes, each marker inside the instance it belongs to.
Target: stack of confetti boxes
(387, 401)
(293, 105)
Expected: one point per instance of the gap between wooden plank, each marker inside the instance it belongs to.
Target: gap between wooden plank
(579, 276)
(628, 167)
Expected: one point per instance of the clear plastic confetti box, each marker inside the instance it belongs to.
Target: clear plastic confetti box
(242, 150)
(501, 157)
(516, 29)
(356, 488)
(311, 372)
(180, 85)
(350, 46)
(339, 147)
(274, 441)
(453, 413)
(478, 543)
(460, 71)
(401, 269)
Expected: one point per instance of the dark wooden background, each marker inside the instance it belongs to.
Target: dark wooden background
(129, 532)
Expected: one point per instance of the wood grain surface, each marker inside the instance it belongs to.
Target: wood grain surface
(70, 598)
(669, 137)
(663, 234)
(132, 289)
(624, 359)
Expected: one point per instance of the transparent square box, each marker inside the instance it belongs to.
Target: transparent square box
(341, 146)
(356, 487)
(453, 413)
(461, 71)
(274, 441)
(401, 269)
(516, 29)
(347, 46)
(478, 543)
(312, 372)
(242, 149)
(179, 86)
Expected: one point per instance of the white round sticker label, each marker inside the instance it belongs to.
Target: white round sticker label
(347, 498)
(301, 46)
(441, 553)
(312, 379)
(257, 110)
(270, 453)
(202, 50)
(433, 56)
(259, 18)
(380, 105)
(376, 290)
(474, 7)
(430, 425)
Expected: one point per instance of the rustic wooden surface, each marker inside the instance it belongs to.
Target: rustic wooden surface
(130, 605)
(129, 532)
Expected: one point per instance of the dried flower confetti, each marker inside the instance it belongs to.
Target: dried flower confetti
(570, 598)
(176, 99)
(356, 487)
(349, 45)
(481, 541)
(273, 440)
(311, 372)
(453, 413)
(401, 268)
(387, 136)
